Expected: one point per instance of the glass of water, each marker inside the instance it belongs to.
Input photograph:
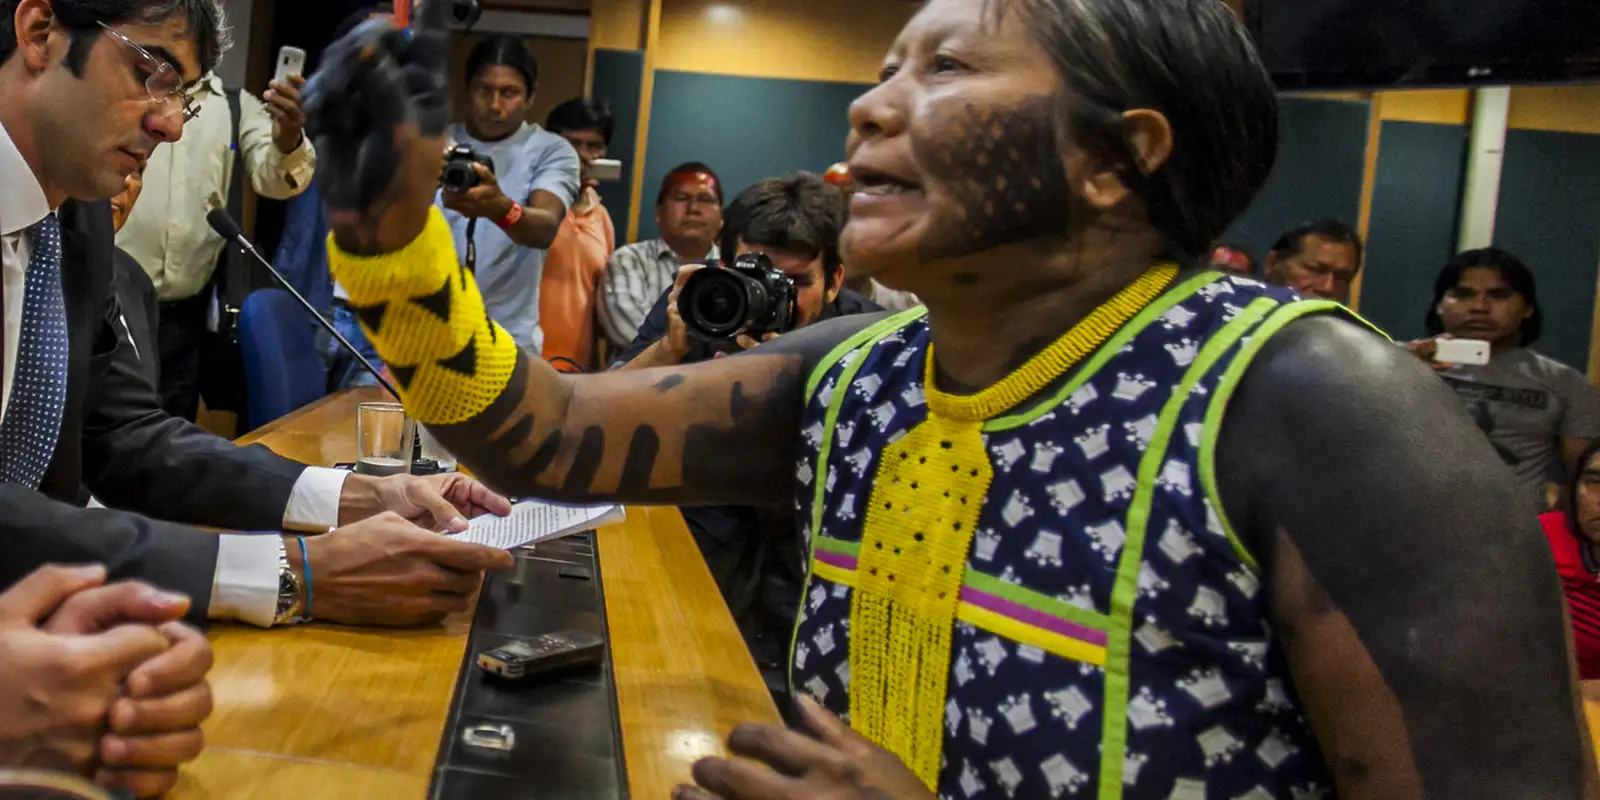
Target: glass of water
(384, 437)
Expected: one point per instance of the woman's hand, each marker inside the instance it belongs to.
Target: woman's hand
(377, 110)
(835, 763)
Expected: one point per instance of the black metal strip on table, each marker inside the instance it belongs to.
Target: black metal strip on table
(568, 739)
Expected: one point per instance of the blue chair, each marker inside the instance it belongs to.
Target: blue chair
(282, 367)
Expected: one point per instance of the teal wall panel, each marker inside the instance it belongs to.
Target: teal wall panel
(1322, 152)
(619, 83)
(746, 129)
(1549, 216)
(1416, 201)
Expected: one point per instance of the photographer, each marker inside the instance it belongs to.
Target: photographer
(795, 221)
(523, 191)
(754, 552)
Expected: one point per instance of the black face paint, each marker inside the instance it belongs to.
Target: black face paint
(1003, 171)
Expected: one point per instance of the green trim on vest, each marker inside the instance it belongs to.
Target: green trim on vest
(869, 335)
(1125, 591)
(1215, 411)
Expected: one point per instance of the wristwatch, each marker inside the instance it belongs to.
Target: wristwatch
(291, 597)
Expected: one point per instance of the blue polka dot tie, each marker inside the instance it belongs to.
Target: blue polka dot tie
(39, 391)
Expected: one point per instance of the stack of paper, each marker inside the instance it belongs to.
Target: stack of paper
(533, 521)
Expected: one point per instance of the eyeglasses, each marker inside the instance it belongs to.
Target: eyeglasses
(164, 83)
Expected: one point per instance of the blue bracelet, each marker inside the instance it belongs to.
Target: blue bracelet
(305, 563)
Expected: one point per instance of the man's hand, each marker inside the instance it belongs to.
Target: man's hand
(778, 764)
(288, 118)
(440, 502)
(57, 689)
(676, 342)
(484, 201)
(155, 726)
(387, 571)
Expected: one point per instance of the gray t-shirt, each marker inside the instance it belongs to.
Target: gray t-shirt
(532, 159)
(1526, 404)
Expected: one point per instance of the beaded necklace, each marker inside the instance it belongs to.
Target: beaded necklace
(929, 490)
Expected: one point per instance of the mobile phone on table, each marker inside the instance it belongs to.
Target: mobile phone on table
(522, 659)
(607, 170)
(291, 61)
(1470, 352)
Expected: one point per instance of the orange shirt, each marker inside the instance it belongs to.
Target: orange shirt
(571, 282)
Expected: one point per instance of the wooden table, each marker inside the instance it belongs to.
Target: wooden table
(330, 712)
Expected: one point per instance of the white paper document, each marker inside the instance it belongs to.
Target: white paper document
(534, 521)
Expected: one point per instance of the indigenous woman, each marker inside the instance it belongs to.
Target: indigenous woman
(1094, 523)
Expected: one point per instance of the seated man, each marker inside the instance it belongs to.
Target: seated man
(754, 552)
(689, 216)
(1318, 259)
(77, 410)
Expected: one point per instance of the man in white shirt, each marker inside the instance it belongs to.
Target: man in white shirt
(167, 233)
(689, 215)
(83, 101)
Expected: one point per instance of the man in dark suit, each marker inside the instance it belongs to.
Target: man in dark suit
(87, 90)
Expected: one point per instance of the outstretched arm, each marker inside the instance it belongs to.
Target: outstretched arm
(722, 432)
(1416, 599)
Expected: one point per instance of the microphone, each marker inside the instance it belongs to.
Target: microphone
(229, 230)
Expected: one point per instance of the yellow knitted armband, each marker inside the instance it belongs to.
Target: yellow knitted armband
(426, 318)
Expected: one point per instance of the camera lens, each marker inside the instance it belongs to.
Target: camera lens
(715, 304)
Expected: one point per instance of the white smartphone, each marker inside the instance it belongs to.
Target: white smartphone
(291, 61)
(607, 169)
(1472, 352)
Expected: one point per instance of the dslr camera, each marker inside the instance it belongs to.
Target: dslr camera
(458, 175)
(751, 297)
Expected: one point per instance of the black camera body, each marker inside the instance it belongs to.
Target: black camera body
(458, 175)
(751, 297)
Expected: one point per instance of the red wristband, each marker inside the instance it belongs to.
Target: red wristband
(512, 217)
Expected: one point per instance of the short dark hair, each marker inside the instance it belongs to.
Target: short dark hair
(799, 213)
(503, 50)
(688, 168)
(1190, 60)
(582, 114)
(208, 25)
(1331, 229)
(1512, 271)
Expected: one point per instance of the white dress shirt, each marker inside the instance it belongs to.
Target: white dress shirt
(167, 232)
(245, 586)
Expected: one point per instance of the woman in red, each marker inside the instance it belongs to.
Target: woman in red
(1574, 537)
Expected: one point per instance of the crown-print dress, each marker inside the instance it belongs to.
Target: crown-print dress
(1103, 633)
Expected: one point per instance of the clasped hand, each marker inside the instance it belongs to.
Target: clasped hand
(101, 681)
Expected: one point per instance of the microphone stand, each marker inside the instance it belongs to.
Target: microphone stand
(229, 230)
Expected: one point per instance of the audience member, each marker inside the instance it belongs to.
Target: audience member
(99, 680)
(538, 182)
(1537, 412)
(1232, 258)
(795, 221)
(578, 256)
(136, 294)
(168, 234)
(77, 410)
(754, 552)
(1318, 259)
(689, 215)
(1574, 537)
(1089, 522)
